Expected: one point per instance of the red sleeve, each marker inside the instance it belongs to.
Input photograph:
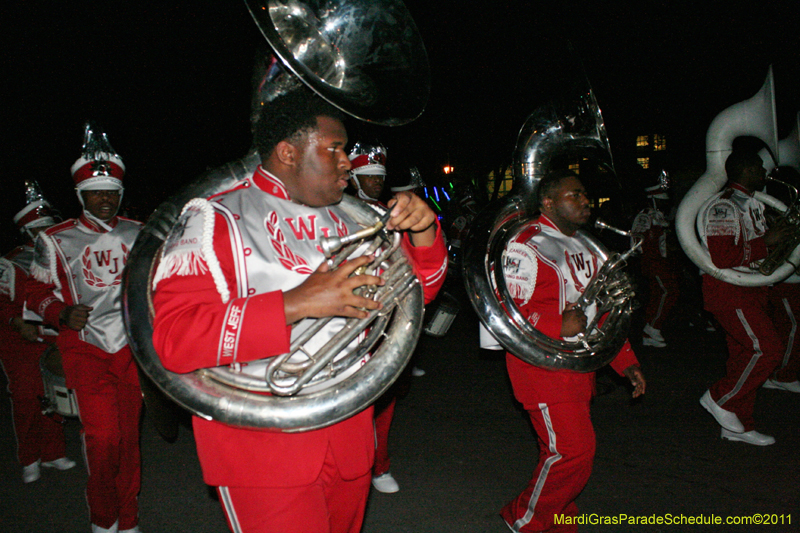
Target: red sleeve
(726, 253)
(194, 329)
(650, 245)
(624, 359)
(429, 262)
(42, 300)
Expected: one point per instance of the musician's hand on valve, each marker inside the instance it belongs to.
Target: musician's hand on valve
(75, 317)
(412, 213)
(330, 293)
(573, 321)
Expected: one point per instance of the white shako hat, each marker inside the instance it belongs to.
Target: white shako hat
(99, 167)
(661, 188)
(368, 159)
(37, 211)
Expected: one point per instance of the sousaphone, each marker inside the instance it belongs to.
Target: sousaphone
(754, 117)
(566, 128)
(366, 58)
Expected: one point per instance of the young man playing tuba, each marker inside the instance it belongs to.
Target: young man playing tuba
(547, 270)
(238, 255)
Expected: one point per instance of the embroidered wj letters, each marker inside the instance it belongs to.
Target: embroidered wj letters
(305, 225)
(106, 271)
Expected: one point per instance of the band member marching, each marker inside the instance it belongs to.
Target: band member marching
(547, 269)
(735, 233)
(40, 438)
(76, 286)
(246, 265)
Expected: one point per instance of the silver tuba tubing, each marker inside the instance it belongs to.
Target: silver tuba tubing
(549, 132)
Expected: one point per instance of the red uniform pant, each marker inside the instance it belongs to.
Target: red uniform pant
(785, 306)
(566, 455)
(109, 404)
(754, 351)
(663, 293)
(384, 413)
(328, 505)
(38, 436)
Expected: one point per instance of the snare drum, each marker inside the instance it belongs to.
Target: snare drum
(58, 397)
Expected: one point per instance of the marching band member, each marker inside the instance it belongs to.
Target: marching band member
(40, 438)
(247, 264)
(659, 264)
(547, 270)
(77, 286)
(368, 171)
(734, 232)
(367, 175)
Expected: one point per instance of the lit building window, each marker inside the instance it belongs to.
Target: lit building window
(644, 162)
(504, 184)
(642, 141)
(659, 143)
(575, 167)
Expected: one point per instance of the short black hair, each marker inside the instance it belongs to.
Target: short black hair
(551, 181)
(289, 116)
(739, 160)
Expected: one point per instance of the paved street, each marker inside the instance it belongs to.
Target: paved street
(462, 447)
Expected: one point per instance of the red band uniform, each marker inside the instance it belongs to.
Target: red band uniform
(261, 245)
(659, 266)
(39, 437)
(368, 174)
(732, 226)
(545, 270)
(80, 261)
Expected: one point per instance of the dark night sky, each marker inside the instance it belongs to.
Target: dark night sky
(169, 81)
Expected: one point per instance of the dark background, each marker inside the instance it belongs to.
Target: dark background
(170, 82)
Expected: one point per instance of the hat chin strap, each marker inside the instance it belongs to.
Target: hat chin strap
(97, 221)
(361, 194)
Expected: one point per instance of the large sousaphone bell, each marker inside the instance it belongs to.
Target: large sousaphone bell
(366, 58)
(559, 130)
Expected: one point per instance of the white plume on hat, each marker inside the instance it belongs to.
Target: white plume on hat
(37, 211)
(416, 182)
